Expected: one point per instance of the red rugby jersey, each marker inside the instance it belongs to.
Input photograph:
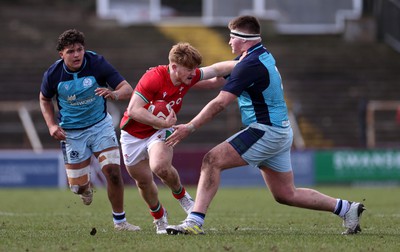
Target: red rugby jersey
(156, 84)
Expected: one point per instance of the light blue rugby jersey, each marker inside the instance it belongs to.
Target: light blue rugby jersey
(79, 106)
(257, 83)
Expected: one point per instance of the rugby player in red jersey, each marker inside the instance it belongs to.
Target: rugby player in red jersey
(143, 134)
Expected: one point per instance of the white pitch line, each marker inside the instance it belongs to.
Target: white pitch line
(35, 214)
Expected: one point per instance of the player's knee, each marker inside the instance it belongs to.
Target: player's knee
(209, 160)
(110, 165)
(280, 200)
(283, 199)
(109, 158)
(161, 171)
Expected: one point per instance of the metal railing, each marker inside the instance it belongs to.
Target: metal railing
(24, 110)
(387, 13)
(373, 125)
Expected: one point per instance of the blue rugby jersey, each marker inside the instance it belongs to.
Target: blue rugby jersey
(257, 83)
(79, 106)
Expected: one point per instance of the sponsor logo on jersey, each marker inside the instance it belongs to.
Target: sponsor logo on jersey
(87, 82)
(71, 98)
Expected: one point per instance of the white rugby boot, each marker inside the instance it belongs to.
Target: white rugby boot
(125, 226)
(161, 224)
(351, 219)
(187, 227)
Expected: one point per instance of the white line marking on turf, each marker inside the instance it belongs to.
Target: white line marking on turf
(36, 214)
(244, 229)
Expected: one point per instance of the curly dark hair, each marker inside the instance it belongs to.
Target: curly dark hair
(70, 37)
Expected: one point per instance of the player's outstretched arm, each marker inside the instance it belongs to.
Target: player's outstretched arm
(213, 83)
(219, 69)
(181, 131)
(215, 106)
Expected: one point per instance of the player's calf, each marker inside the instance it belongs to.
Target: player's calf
(79, 183)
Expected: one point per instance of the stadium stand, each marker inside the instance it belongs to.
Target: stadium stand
(327, 79)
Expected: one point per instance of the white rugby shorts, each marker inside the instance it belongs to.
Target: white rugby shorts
(136, 149)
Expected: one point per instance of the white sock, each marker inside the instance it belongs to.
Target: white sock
(196, 218)
(118, 217)
(341, 208)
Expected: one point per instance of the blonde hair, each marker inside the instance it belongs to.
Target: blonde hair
(186, 55)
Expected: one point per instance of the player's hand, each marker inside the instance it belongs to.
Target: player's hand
(106, 93)
(181, 131)
(57, 133)
(171, 119)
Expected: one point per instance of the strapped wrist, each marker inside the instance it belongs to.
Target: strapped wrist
(190, 127)
(116, 96)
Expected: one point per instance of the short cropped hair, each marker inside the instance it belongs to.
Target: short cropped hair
(70, 37)
(248, 24)
(186, 55)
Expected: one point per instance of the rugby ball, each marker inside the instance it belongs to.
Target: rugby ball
(160, 108)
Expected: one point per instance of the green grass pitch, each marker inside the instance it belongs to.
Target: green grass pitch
(241, 219)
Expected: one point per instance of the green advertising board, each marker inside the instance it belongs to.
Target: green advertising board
(357, 165)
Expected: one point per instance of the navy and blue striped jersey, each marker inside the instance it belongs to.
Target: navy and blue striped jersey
(257, 83)
(78, 105)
